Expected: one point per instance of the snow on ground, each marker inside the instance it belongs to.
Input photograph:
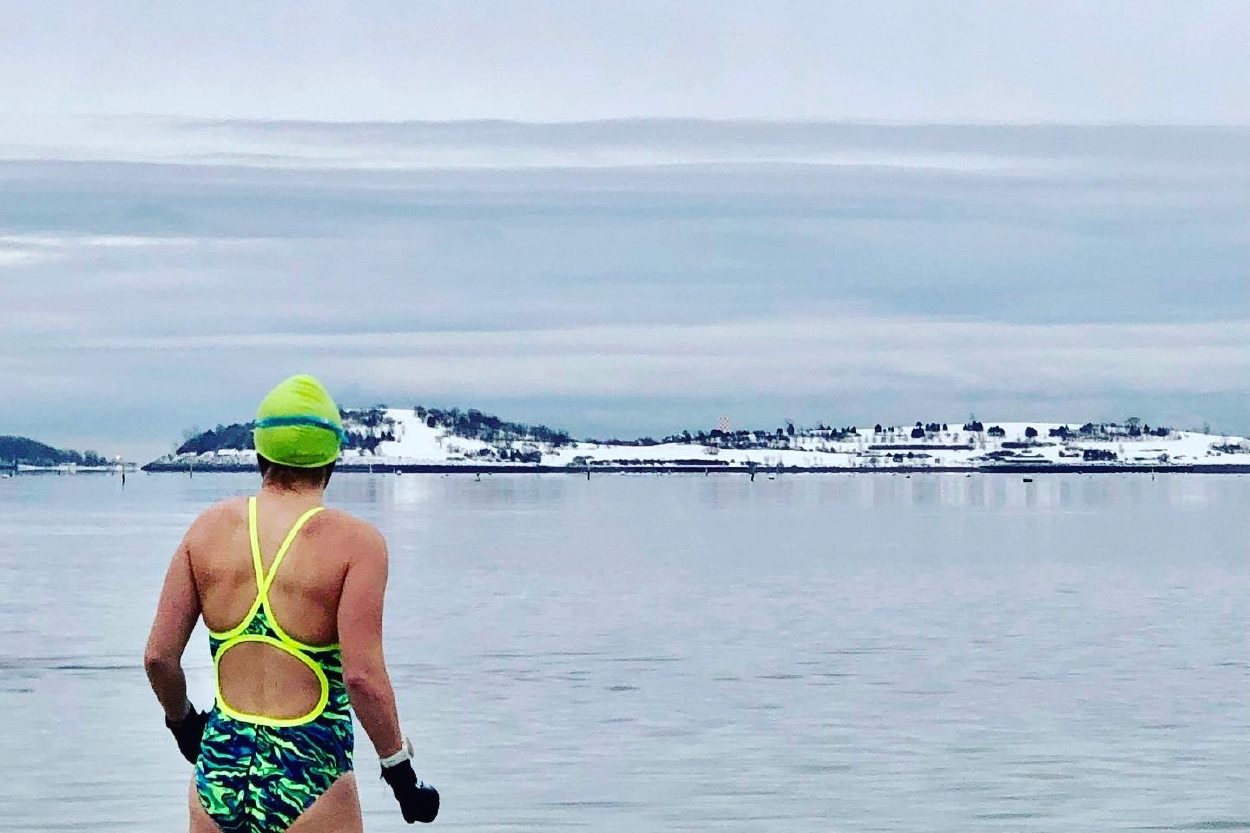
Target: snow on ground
(417, 443)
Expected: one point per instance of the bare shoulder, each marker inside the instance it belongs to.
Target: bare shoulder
(358, 539)
(220, 518)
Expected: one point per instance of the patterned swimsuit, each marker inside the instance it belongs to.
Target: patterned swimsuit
(257, 774)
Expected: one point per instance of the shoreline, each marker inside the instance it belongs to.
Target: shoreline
(1006, 468)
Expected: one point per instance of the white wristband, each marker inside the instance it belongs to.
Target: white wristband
(404, 754)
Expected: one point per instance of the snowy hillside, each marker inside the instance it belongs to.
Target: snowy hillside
(398, 438)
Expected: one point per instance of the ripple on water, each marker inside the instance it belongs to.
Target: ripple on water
(893, 670)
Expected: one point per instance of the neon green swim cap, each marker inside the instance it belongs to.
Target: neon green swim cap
(297, 424)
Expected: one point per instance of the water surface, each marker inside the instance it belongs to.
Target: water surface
(861, 652)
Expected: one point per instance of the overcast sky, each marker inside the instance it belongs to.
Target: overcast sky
(988, 61)
(824, 211)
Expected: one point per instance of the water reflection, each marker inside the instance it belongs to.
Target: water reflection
(939, 652)
(993, 491)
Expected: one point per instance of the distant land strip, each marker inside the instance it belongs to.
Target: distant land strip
(421, 440)
(709, 468)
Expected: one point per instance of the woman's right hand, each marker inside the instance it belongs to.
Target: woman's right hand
(189, 732)
(417, 801)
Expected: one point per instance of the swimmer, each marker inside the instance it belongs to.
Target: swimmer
(291, 593)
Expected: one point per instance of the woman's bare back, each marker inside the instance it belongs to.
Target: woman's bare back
(304, 595)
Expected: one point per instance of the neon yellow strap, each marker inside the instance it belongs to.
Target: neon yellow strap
(261, 719)
(254, 537)
(235, 636)
(263, 579)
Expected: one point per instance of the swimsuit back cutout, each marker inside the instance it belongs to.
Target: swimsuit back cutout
(260, 625)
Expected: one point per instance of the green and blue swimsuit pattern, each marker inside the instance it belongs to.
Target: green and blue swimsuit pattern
(257, 774)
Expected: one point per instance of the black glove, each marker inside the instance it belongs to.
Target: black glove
(189, 732)
(417, 801)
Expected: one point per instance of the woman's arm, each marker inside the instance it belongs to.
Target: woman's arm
(176, 614)
(360, 637)
(364, 670)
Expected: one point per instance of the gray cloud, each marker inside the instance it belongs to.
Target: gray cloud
(626, 277)
(796, 355)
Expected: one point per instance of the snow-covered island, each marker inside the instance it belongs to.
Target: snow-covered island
(432, 440)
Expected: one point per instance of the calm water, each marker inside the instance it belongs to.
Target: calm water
(695, 653)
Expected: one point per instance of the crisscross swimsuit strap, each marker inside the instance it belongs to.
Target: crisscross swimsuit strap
(265, 578)
(271, 632)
